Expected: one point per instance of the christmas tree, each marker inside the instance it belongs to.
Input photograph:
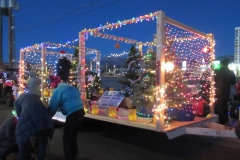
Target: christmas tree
(132, 69)
(73, 78)
(93, 83)
(140, 78)
(144, 87)
(176, 90)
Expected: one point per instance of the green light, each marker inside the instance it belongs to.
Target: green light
(216, 65)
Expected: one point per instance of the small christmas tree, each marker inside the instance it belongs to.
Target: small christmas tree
(73, 78)
(132, 66)
(132, 69)
(140, 79)
(93, 83)
(144, 87)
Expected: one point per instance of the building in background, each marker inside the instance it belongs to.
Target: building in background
(237, 45)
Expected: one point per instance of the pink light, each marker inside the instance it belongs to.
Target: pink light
(206, 50)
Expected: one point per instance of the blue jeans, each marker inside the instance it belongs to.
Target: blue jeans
(42, 140)
(71, 128)
(7, 147)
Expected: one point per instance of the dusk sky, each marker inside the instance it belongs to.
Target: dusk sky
(60, 21)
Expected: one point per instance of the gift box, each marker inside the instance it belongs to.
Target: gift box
(234, 110)
(184, 114)
(200, 108)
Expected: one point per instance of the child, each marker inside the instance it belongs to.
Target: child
(15, 90)
(54, 80)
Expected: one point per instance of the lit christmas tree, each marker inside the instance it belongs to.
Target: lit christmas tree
(132, 69)
(73, 78)
(144, 87)
(176, 91)
(140, 78)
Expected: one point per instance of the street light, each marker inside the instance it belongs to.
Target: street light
(114, 73)
(106, 67)
(12, 4)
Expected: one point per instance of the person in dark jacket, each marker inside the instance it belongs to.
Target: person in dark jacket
(224, 78)
(34, 120)
(7, 137)
(67, 99)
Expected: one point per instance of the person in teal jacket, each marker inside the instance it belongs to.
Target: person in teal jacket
(67, 99)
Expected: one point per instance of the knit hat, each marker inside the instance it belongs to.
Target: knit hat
(33, 83)
(225, 62)
(54, 80)
(32, 74)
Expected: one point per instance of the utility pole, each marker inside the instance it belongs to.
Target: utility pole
(13, 39)
(90, 64)
(10, 42)
(1, 39)
(106, 67)
(11, 5)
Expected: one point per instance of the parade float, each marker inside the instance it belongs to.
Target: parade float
(42, 58)
(183, 90)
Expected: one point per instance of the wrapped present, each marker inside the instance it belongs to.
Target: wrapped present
(234, 110)
(184, 114)
(200, 107)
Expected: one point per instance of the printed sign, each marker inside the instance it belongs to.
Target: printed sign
(110, 98)
(59, 117)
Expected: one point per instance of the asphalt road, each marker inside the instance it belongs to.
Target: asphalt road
(105, 141)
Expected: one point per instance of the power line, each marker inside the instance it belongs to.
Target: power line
(37, 24)
(31, 3)
(69, 17)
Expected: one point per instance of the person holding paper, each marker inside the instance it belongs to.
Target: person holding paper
(68, 99)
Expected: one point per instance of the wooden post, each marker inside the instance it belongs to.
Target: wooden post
(212, 89)
(82, 62)
(160, 55)
(160, 62)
